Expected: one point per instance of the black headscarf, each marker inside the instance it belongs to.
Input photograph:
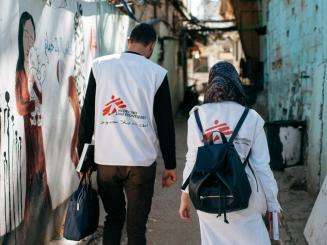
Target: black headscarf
(224, 84)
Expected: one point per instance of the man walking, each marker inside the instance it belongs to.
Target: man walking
(128, 108)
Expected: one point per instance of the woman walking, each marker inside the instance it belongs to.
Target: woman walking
(223, 106)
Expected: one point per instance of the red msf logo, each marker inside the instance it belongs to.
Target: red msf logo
(112, 106)
(220, 127)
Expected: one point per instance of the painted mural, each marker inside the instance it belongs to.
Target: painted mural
(28, 91)
(41, 96)
(11, 168)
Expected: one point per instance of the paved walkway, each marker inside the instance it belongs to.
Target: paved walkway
(165, 227)
(296, 203)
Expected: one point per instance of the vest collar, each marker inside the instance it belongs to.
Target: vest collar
(132, 52)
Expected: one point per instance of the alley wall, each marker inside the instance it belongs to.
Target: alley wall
(295, 59)
(46, 53)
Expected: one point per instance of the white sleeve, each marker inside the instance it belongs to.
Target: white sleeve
(259, 160)
(194, 140)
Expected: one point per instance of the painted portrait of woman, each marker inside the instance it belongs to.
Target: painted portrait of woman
(28, 102)
(73, 101)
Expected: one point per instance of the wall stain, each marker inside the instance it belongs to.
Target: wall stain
(10, 149)
(321, 118)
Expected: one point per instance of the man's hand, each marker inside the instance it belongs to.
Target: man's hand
(168, 178)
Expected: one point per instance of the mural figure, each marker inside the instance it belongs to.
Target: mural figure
(28, 102)
(73, 99)
(76, 87)
(74, 102)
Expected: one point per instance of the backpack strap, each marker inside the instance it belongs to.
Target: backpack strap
(239, 124)
(247, 163)
(187, 181)
(198, 120)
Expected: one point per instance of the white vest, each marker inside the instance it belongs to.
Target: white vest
(125, 129)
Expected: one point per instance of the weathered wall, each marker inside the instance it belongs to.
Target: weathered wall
(295, 73)
(166, 54)
(46, 49)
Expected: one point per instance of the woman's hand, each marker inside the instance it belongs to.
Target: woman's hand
(184, 209)
(269, 224)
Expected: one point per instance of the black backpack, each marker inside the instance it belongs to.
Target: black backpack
(218, 182)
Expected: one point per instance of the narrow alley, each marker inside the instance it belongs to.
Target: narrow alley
(50, 54)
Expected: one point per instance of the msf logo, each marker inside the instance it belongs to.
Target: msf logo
(113, 106)
(212, 134)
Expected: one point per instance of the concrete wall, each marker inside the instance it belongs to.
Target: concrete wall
(166, 54)
(40, 104)
(295, 73)
(40, 101)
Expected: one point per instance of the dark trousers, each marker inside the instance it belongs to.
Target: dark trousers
(138, 184)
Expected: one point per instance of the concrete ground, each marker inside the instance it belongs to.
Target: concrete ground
(296, 203)
(165, 227)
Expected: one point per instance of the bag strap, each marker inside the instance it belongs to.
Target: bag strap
(239, 124)
(187, 181)
(198, 122)
(247, 163)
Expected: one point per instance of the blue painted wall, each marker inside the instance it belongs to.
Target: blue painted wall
(295, 57)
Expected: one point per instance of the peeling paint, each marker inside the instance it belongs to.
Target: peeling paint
(294, 57)
(291, 150)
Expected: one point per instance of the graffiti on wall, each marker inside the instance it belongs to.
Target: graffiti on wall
(11, 168)
(57, 4)
(40, 107)
(26, 181)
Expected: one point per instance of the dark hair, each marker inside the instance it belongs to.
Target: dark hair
(23, 18)
(143, 33)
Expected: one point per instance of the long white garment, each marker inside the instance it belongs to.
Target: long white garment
(245, 226)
